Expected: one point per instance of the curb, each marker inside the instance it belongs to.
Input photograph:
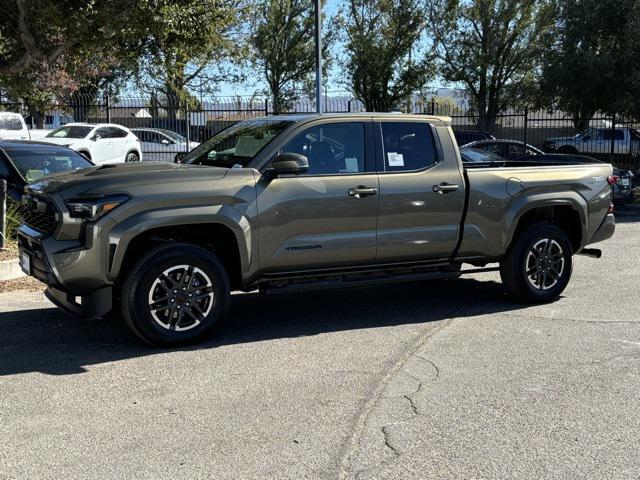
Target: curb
(10, 270)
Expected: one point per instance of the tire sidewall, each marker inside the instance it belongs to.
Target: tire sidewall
(143, 277)
(133, 155)
(530, 238)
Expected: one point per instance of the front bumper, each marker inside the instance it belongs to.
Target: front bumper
(89, 306)
(83, 297)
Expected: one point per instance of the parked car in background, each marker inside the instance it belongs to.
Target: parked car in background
(472, 155)
(463, 137)
(624, 186)
(596, 141)
(101, 143)
(12, 126)
(23, 162)
(161, 145)
(509, 149)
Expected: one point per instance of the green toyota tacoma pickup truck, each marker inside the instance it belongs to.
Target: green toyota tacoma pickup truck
(293, 202)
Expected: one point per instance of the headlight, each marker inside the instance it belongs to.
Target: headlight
(93, 208)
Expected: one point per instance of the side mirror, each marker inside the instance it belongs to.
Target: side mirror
(288, 163)
(164, 141)
(96, 137)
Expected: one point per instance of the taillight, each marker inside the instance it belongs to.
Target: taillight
(613, 179)
(611, 208)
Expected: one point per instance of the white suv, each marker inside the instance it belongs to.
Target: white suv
(101, 143)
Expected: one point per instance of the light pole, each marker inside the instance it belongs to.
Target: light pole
(318, 15)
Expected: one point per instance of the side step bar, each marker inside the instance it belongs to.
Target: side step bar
(343, 281)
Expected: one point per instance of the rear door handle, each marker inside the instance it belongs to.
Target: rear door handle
(361, 191)
(445, 187)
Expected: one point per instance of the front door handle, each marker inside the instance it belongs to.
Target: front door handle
(445, 187)
(361, 191)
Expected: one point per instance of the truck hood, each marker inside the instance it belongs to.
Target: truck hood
(122, 177)
(59, 141)
(561, 139)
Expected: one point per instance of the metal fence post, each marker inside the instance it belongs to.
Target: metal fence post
(3, 213)
(526, 124)
(349, 106)
(266, 107)
(108, 106)
(433, 106)
(187, 120)
(613, 137)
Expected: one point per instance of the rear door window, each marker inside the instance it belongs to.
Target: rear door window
(407, 146)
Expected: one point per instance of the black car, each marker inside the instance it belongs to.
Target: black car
(465, 136)
(23, 162)
(508, 149)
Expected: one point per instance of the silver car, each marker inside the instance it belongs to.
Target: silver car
(162, 145)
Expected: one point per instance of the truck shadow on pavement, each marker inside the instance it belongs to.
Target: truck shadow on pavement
(48, 341)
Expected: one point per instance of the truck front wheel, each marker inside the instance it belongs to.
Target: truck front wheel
(175, 294)
(538, 265)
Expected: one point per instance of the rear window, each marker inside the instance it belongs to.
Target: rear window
(10, 122)
(37, 163)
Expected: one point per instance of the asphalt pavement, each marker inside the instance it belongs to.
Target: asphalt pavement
(446, 379)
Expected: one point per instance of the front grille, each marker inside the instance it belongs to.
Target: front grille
(39, 214)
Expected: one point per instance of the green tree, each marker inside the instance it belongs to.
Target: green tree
(493, 47)
(40, 32)
(380, 37)
(283, 43)
(593, 64)
(186, 41)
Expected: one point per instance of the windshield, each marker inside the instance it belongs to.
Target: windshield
(176, 137)
(40, 162)
(73, 131)
(237, 145)
(472, 155)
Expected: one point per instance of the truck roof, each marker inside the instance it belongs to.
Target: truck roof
(377, 115)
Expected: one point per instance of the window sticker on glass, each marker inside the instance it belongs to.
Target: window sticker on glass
(351, 164)
(395, 159)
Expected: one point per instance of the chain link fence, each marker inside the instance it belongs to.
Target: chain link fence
(166, 128)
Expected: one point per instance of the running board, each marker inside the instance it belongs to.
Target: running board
(345, 281)
(591, 252)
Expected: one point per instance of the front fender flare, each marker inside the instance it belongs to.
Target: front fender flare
(123, 233)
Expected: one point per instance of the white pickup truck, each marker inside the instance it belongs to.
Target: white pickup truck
(13, 127)
(597, 141)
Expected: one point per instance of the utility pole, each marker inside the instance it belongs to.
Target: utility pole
(318, 14)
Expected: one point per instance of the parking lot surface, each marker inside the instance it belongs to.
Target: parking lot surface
(446, 379)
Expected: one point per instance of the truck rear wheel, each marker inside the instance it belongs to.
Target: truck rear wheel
(175, 294)
(538, 265)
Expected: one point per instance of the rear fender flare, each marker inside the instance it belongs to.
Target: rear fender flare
(530, 202)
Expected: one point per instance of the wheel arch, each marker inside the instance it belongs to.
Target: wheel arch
(228, 238)
(566, 214)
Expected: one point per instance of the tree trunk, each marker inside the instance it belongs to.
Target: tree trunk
(581, 120)
(36, 115)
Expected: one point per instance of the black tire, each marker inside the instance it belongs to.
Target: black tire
(132, 157)
(141, 286)
(526, 264)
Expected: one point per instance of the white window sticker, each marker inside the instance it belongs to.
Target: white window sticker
(351, 164)
(395, 159)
